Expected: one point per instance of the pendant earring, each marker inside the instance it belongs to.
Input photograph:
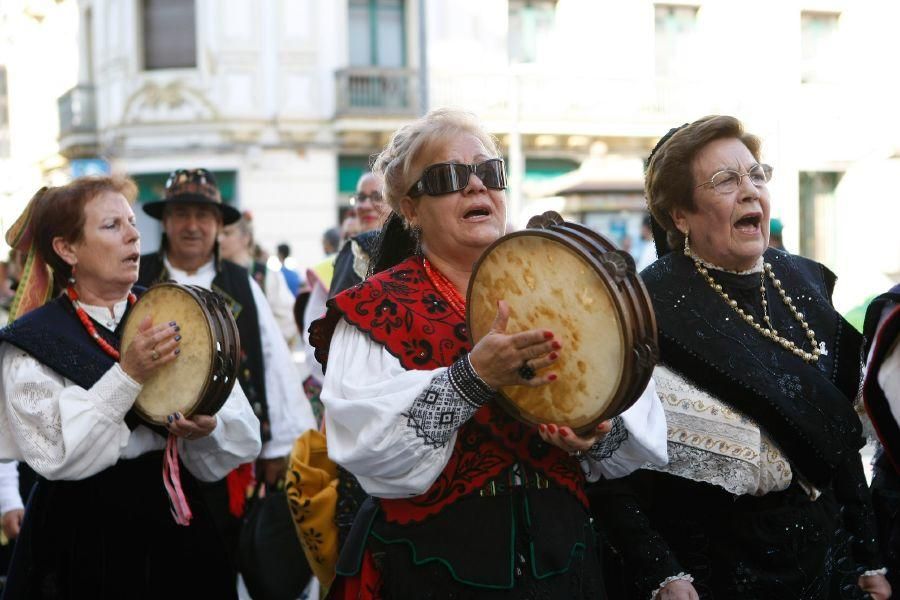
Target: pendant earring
(417, 238)
(687, 244)
(72, 276)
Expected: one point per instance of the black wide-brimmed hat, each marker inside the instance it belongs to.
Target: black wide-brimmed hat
(192, 186)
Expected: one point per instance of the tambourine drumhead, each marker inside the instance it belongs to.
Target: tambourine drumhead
(549, 285)
(180, 385)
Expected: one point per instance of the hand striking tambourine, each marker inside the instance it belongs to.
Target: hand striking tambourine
(571, 280)
(201, 378)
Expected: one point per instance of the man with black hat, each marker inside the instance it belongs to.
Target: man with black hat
(193, 214)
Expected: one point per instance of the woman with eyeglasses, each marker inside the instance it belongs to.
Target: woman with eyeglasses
(764, 494)
(466, 502)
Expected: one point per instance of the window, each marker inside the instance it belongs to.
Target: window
(818, 214)
(674, 36)
(170, 34)
(4, 114)
(530, 26)
(818, 46)
(377, 37)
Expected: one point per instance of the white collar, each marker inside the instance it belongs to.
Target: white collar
(102, 316)
(177, 274)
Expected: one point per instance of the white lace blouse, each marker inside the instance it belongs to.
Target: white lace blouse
(64, 431)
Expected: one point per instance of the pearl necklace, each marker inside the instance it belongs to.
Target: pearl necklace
(89, 325)
(768, 330)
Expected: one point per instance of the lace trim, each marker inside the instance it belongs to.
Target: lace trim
(449, 401)
(710, 442)
(756, 268)
(873, 572)
(668, 580)
(606, 447)
(360, 259)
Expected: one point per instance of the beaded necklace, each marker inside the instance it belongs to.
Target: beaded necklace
(89, 325)
(769, 330)
(445, 288)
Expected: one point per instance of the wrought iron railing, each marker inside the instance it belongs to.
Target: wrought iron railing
(377, 91)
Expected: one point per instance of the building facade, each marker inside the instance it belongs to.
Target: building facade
(287, 100)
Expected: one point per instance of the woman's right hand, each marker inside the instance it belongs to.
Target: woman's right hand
(498, 357)
(680, 589)
(152, 347)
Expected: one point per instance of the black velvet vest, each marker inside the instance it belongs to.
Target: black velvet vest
(233, 284)
(806, 408)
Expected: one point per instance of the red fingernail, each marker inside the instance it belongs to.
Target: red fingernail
(552, 376)
(563, 433)
(542, 427)
(553, 356)
(556, 345)
(552, 428)
(548, 335)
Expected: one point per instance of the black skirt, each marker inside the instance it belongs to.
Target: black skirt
(112, 536)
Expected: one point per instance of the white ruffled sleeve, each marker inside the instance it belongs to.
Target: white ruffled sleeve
(9, 487)
(60, 429)
(233, 442)
(290, 413)
(366, 393)
(638, 437)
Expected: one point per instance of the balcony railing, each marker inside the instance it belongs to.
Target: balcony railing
(77, 111)
(374, 91)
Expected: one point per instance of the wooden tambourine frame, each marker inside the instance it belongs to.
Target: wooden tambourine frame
(201, 378)
(573, 281)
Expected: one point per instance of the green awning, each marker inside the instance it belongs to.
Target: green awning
(541, 169)
(151, 186)
(350, 169)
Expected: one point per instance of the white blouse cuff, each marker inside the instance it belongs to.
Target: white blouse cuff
(873, 572)
(115, 393)
(680, 577)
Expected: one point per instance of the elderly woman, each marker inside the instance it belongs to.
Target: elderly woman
(467, 501)
(764, 494)
(97, 524)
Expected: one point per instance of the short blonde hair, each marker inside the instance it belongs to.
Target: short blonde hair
(399, 165)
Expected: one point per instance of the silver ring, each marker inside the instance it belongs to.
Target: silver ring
(154, 355)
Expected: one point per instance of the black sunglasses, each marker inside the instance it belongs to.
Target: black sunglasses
(201, 176)
(449, 177)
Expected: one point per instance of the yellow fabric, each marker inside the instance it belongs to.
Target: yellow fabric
(311, 487)
(324, 271)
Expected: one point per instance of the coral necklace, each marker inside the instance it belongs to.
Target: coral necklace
(445, 288)
(89, 325)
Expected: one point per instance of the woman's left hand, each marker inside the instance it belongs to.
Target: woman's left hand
(564, 438)
(876, 585)
(196, 427)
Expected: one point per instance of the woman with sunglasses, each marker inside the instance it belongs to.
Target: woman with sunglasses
(466, 502)
(764, 494)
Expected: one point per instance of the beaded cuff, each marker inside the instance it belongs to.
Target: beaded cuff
(449, 401)
(668, 580)
(468, 384)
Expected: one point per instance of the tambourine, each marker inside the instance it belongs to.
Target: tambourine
(201, 378)
(573, 281)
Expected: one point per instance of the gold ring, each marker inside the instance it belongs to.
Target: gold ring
(154, 355)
